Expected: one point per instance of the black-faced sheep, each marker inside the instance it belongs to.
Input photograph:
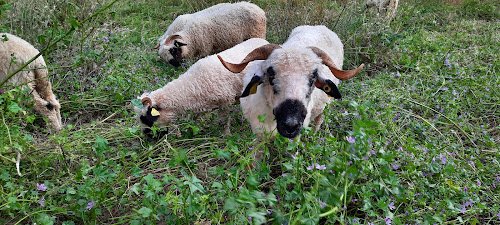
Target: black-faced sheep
(212, 31)
(292, 84)
(179, 22)
(15, 52)
(205, 86)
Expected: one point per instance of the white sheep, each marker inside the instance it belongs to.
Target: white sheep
(179, 22)
(282, 86)
(205, 86)
(213, 31)
(384, 6)
(14, 52)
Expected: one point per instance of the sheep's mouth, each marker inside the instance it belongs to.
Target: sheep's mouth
(290, 117)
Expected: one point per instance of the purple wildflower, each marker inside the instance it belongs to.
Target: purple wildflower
(41, 187)
(447, 63)
(388, 221)
(394, 166)
(322, 204)
(42, 201)
(293, 156)
(498, 215)
(310, 167)
(463, 210)
(269, 212)
(372, 152)
(250, 219)
(105, 39)
(454, 92)
(406, 213)
(398, 74)
(320, 167)
(90, 205)
(391, 206)
(478, 183)
(443, 159)
(351, 139)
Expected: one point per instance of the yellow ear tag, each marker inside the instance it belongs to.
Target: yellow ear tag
(154, 112)
(253, 89)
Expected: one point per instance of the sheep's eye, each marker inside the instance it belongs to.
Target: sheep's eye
(270, 74)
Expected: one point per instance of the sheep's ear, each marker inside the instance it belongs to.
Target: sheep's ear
(329, 88)
(251, 87)
(179, 44)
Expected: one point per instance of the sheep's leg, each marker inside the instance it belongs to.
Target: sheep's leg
(317, 122)
(227, 131)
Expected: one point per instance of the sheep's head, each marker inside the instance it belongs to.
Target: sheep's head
(172, 49)
(151, 113)
(289, 76)
(51, 109)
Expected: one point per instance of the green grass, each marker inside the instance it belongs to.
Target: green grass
(424, 115)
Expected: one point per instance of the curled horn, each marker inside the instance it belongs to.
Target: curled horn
(171, 38)
(146, 101)
(338, 73)
(259, 53)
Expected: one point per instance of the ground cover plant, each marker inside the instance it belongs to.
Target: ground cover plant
(413, 141)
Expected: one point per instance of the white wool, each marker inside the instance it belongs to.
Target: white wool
(35, 73)
(216, 29)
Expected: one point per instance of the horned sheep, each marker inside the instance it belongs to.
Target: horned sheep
(213, 30)
(205, 86)
(282, 86)
(14, 52)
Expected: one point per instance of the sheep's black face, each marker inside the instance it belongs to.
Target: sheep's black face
(149, 119)
(177, 56)
(290, 116)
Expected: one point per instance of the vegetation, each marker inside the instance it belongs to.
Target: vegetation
(414, 140)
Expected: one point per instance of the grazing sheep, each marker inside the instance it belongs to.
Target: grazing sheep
(213, 31)
(384, 6)
(282, 86)
(205, 86)
(14, 52)
(179, 22)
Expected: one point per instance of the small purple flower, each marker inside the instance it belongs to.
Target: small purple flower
(391, 206)
(478, 183)
(465, 189)
(322, 204)
(398, 74)
(41, 187)
(250, 219)
(463, 210)
(320, 167)
(406, 213)
(293, 156)
(443, 160)
(90, 205)
(105, 39)
(388, 221)
(283, 175)
(372, 152)
(1, 91)
(351, 139)
(269, 212)
(108, 88)
(394, 166)
(310, 167)
(42, 201)
(454, 92)
(355, 221)
(498, 216)
(445, 89)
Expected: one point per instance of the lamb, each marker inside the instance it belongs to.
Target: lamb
(181, 20)
(205, 86)
(384, 6)
(212, 31)
(15, 52)
(282, 85)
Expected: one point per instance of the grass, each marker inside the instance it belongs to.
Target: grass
(414, 140)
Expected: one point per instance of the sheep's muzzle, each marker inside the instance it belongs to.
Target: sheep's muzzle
(290, 116)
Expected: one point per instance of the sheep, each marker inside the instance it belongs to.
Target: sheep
(282, 85)
(181, 20)
(213, 31)
(205, 86)
(384, 6)
(15, 52)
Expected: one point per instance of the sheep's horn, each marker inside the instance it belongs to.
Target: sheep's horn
(157, 46)
(146, 101)
(338, 73)
(259, 53)
(171, 38)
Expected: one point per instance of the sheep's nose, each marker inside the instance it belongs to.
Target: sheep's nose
(291, 126)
